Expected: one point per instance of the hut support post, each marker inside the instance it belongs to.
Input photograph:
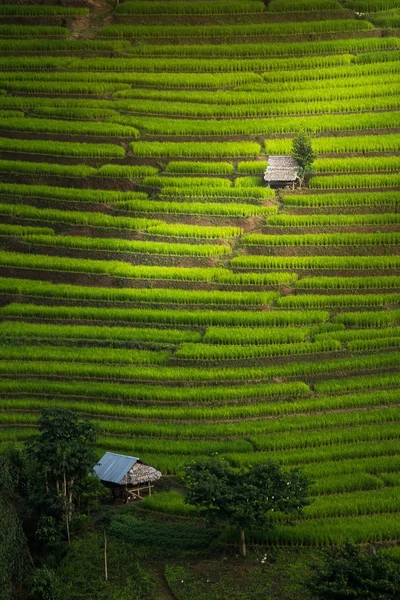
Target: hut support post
(149, 488)
(105, 557)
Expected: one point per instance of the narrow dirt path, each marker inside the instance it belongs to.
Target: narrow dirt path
(163, 590)
(87, 27)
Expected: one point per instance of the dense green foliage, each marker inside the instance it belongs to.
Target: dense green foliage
(152, 282)
(243, 499)
(350, 573)
(302, 150)
(162, 537)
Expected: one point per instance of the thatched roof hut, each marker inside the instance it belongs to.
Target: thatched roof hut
(140, 473)
(281, 171)
(127, 476)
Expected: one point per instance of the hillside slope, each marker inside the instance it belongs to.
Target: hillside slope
(153, 282)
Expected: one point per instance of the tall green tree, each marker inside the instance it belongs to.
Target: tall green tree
(349, 573)
(244, 498)
(302, 151)
(64, 454)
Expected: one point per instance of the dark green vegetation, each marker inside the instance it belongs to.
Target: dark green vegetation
(245, 499)
(51, 545)
(61, 542)
(62, 455)
(152, 282)
(350, 573)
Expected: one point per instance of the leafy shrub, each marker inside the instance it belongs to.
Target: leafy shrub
(349, 571)
(166, 537)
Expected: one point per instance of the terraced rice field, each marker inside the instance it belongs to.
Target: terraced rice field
(152, 282)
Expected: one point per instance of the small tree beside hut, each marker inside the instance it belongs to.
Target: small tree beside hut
(303, 153)
(244, 498)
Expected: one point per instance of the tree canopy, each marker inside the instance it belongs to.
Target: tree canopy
(348, 572)
(302, 149)
(64, 454)
(64, 446)
(244, 498)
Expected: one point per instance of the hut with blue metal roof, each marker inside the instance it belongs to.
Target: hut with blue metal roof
(128, 477)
